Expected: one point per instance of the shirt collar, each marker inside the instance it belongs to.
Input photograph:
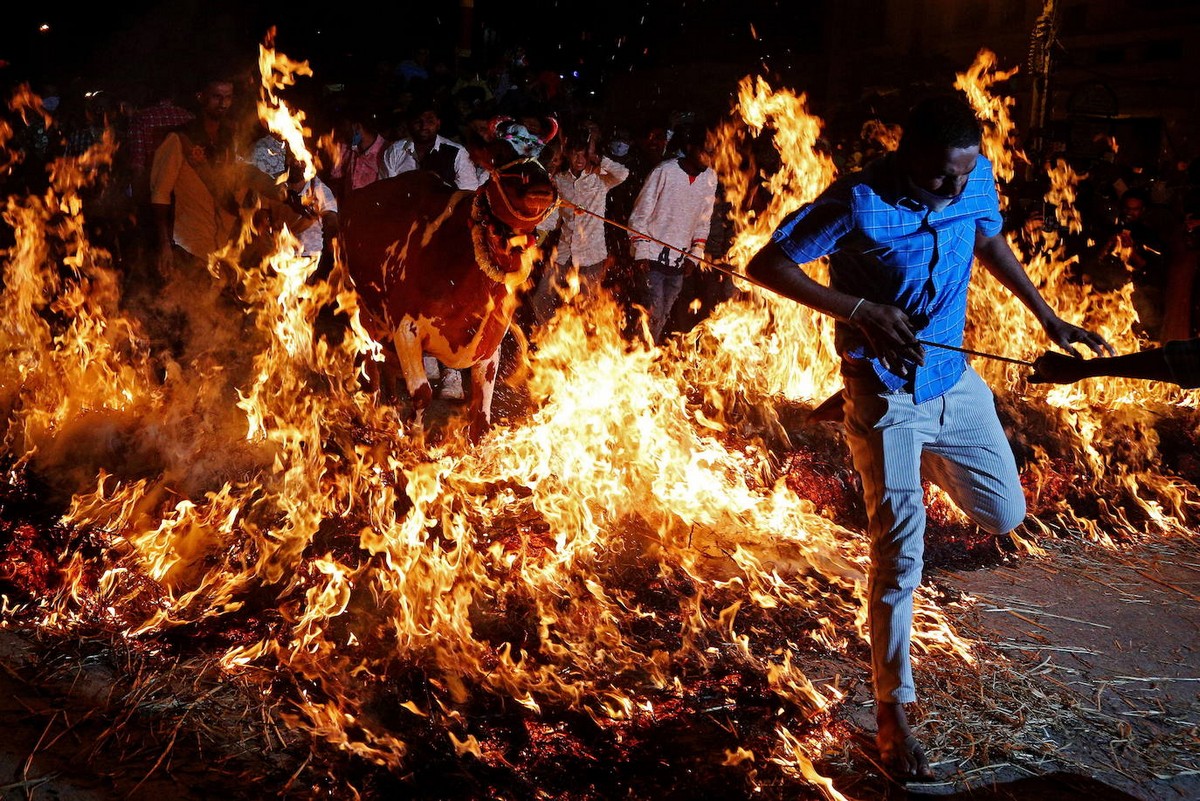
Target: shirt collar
(894, 188)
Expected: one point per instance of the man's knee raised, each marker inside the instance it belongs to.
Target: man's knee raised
(1008, 515)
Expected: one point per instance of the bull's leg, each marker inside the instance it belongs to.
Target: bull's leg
(384, 377)
(412, 367)
(483, 386)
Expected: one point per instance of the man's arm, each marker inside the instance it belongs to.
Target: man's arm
(703, 223)
(164, 172)
(772, 268)
(1181, 277)
(886, 327)
(997, 256)
(164, 257)
(389, 159)
(1058, 368)
(1177, 362)
(612, 172)
(465, 174)
(327, 207)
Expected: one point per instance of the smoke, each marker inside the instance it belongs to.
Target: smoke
(153, 378)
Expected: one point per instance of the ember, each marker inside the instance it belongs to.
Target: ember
(643, 568)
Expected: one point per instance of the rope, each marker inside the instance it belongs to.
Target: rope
(984, 354)
(735, 274)
(721, 268)
(496, 173)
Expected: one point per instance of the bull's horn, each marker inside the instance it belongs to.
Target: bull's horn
(494, 125)
(553, 130)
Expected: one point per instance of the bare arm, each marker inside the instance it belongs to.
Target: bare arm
(1058, 368)
(612, 172)
(162, 238)
(329, 229)
(997, 256)
(1181, 277)
(772, 268)
(164, 172)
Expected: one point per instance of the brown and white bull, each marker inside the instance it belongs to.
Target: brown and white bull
(438, 270)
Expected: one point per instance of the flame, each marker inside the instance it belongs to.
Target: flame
(1093, 418)
(885, 135)
(1061, 195)
(999, 132)
(631, 530)
(279, 72)
(764, 346)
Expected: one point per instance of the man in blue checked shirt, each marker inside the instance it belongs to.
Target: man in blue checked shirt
(901, 237)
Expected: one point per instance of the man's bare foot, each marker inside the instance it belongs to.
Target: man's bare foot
(899, 749)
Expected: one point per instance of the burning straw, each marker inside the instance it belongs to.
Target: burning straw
(627, 561)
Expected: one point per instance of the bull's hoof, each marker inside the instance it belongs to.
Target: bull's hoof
(422, 397)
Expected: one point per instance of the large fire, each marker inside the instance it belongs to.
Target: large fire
(625, 549)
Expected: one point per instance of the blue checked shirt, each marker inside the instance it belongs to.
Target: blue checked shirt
(889, 248)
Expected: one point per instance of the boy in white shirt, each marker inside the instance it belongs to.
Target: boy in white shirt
(584, 182)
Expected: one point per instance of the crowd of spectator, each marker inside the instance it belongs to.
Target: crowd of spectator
(424, 112)
(1137, 228)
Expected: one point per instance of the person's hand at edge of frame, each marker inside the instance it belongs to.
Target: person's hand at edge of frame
(1053, 367)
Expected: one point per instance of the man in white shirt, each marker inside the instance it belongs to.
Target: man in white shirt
(670, 222)
(426, 149)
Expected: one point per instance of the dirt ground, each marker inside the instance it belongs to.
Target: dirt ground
(1092, 690)
(1117, 632)
(1113, 635)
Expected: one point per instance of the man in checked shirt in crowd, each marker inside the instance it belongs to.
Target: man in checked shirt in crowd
(900, 236)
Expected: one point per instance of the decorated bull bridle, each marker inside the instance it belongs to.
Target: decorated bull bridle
(508, 206)
(491, 236)
(519, 137)
(528, 147)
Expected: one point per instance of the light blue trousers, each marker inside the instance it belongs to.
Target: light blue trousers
(956, 441)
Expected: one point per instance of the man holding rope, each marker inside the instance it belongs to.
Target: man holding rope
(901, 236)
(669, 223)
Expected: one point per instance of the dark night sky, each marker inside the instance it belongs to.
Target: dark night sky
(134, 43)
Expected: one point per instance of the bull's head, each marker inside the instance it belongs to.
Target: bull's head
(520, 192)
